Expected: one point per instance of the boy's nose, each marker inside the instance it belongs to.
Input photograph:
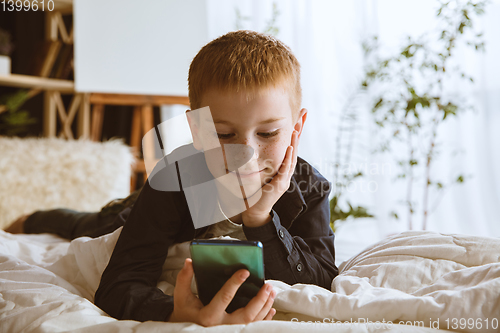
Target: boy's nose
(252, 146)
(249, 142)
(238, 155)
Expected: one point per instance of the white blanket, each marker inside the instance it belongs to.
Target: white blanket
(420, 278)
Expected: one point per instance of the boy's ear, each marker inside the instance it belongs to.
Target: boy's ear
(299, 125)
(194, 127)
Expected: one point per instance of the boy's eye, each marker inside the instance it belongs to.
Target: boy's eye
(225, 136)
(268, 134)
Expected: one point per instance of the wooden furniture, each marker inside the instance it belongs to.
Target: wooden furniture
(88, 125)
(53, 89)
(91, 126)
(55, 31)
(142, 121)
(35, 82)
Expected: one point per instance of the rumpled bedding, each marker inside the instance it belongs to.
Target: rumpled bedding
(411, 282)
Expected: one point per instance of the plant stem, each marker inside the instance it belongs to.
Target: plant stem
(428, 171)
(410, 181)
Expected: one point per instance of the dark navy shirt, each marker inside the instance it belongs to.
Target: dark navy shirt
(298, 244)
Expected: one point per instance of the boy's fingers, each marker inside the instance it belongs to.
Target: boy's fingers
(289, 167)
(225, 295)
(270, 314)
(295, 150)
(267, 307)
(287, 162)
(294, 143)
(183, 282)
(257, 304)
(281, 181)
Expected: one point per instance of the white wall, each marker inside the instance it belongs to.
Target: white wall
(138, 47)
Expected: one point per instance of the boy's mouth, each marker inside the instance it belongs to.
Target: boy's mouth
(245, 174)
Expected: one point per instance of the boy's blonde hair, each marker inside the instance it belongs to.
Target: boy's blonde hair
(248, 61)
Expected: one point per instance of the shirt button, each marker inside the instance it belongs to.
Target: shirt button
(281, 233)
(299, 267)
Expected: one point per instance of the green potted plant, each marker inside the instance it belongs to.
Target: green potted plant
(14, 120)
(411, 104)
(6, 48)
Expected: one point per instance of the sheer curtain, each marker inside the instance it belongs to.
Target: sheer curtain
(469, 208)
(326, 37)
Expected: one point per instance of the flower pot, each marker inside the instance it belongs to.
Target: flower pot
(4, 65)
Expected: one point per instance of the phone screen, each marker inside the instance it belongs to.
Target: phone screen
(215, 261)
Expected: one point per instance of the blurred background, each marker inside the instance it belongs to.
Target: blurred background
(403, 95)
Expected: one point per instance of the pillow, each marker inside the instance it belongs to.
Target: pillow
(47, 173)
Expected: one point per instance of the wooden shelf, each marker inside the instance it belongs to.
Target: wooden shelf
(35, 82)
(63, 6)
(130, 99)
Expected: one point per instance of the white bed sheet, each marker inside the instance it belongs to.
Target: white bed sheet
(47, 285)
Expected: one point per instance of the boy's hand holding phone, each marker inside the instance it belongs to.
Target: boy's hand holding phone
(259, 214)
(189, 308)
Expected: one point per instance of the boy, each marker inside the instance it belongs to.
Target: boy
(251, 84)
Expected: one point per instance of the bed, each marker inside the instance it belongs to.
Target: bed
(410, 282)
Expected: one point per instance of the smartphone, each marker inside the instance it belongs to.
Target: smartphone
(215, 261)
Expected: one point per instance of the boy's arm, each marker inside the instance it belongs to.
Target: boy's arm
(128, 285)
(305, 253)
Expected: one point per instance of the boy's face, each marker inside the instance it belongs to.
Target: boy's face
(265, 123)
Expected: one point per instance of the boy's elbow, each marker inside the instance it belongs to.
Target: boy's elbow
(330, 273)
(109, 300)
(100, 299)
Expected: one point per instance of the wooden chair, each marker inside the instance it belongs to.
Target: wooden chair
(142, 120)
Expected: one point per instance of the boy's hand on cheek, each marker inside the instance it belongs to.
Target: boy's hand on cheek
(259, 214)
(188, 308)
